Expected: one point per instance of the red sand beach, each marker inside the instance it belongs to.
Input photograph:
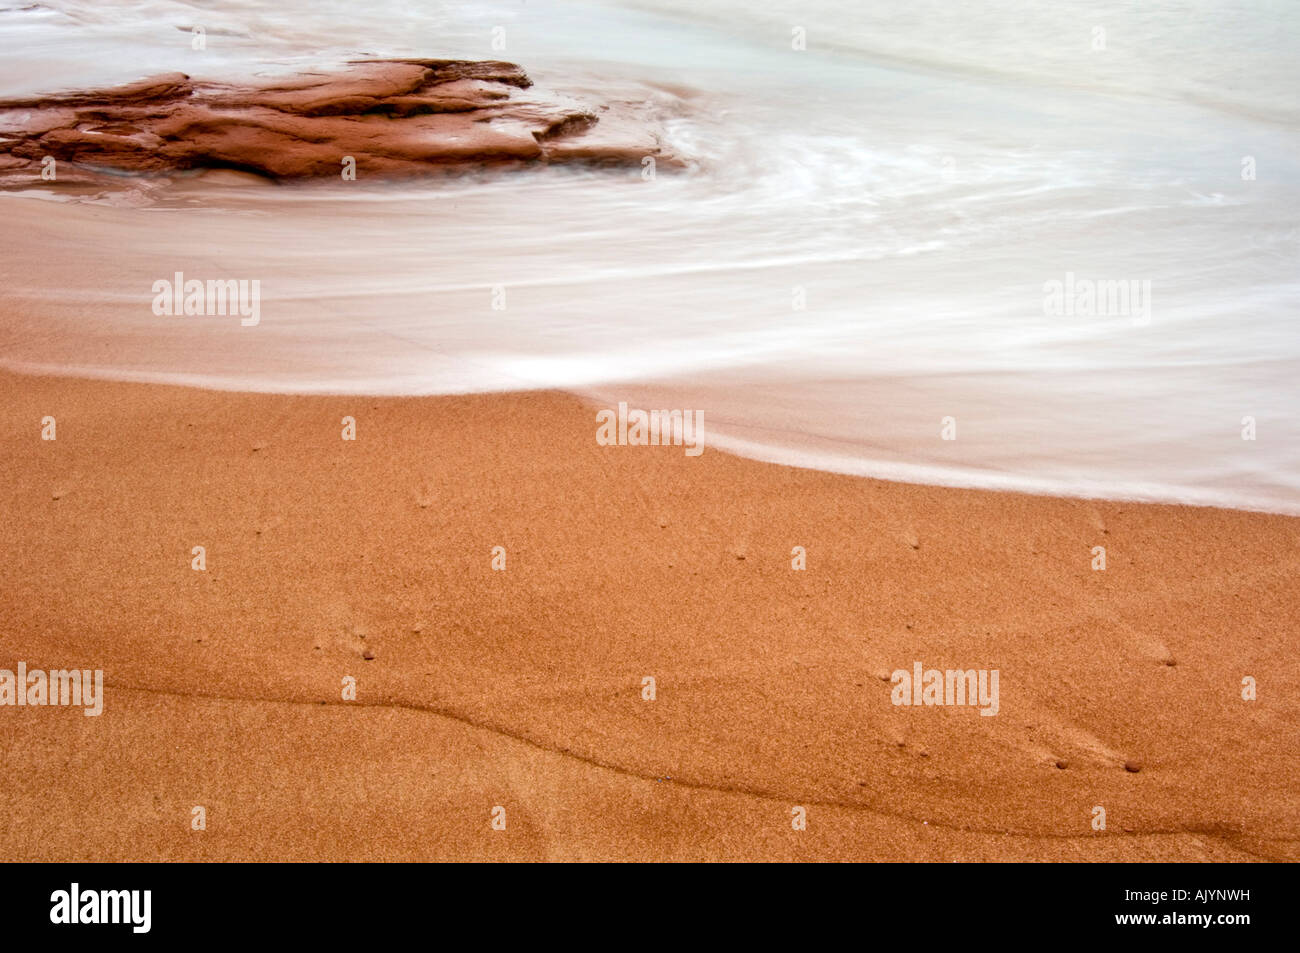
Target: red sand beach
(522, 688)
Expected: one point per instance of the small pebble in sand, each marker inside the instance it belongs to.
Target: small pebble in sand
(1062, 764)
(1132, 767)
(367, 654)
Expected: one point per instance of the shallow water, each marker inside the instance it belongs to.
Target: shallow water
(858, 250)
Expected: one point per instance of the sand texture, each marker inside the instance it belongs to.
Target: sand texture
(523, 688)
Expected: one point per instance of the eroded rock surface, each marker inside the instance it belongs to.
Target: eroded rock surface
(393, 117)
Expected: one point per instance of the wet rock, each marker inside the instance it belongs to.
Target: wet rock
(393, 117)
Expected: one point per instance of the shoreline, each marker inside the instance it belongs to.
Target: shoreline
(945, 476)
(522, 688)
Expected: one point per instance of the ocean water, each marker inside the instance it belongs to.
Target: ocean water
(859, 257)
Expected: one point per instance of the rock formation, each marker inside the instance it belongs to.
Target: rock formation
(393, 117)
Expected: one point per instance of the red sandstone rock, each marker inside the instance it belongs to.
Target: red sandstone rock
(394, 117)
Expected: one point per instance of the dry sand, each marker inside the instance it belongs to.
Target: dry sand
(522, 688)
